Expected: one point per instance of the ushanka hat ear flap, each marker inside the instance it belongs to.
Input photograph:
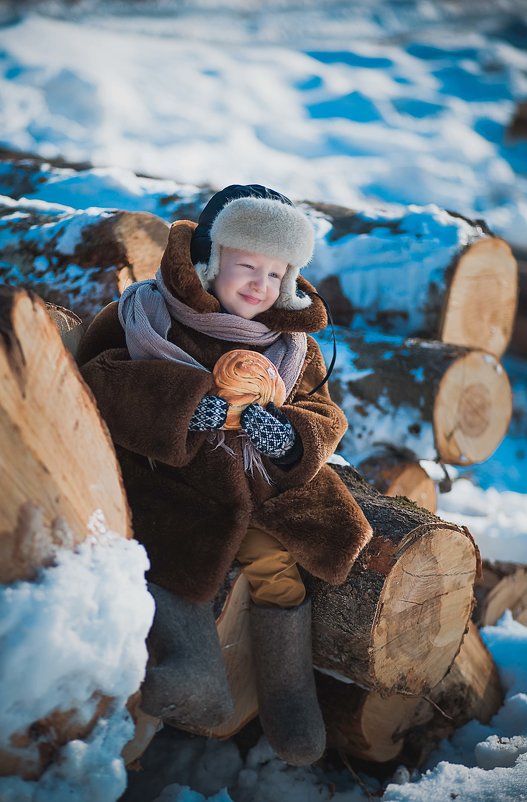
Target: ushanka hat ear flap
(254, 218)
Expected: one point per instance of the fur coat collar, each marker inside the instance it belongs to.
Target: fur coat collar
(182, 280)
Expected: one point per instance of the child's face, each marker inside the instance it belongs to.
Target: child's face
(248, 283)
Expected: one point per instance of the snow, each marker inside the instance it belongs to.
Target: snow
(496, 519)
(209, 767)
(496, 751)
(396, 109)
(93, 609)
(350, 105)
(449, 782)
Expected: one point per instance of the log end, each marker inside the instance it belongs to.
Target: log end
(423, 611)
(482, 297)
(472, 410)
(395, 476)
(59, 476)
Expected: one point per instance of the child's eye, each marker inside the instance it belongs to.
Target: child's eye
(276, 275)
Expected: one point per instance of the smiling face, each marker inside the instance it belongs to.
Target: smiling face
(248, 283)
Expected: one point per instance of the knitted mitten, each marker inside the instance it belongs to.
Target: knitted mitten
(210, 414)
(268, 429)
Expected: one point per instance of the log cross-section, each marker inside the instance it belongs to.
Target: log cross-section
(57, 461)
(397, 623)
(437, 400)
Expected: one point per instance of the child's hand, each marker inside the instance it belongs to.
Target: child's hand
(210, 414)
(268, 429)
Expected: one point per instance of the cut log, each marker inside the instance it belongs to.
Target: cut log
(58, 471)
(365, 725)
(396, 624)
(55, 452)
(470, 690)
(233, 632)
(369, 727)
(424, 273)
(518, 344)
(503, 586)
(76, 259)
(394, 473)
(145, 729)
(439, 401)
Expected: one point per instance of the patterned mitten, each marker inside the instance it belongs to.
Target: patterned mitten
(210, 414)
(268, 429)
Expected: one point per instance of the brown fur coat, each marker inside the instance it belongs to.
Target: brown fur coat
(191, 506)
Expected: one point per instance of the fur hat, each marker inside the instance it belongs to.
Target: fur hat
(254, 218)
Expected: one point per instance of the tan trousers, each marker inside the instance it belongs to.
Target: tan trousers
(270, 570)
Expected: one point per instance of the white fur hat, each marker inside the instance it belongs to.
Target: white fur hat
(266, 225)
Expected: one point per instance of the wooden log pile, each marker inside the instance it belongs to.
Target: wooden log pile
(76, 259)
(394, 628)
(426, 274)
(390, 643)
(400, 665)
(442, 402)
(455, 281)
(433, 275)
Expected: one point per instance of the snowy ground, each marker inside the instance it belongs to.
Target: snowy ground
(395, 103)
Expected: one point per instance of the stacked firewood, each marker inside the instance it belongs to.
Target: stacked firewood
(394, 645)
(424, 303)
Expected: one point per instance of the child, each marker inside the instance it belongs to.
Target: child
(230, 282)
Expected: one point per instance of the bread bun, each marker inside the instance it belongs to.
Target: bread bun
(244, 377)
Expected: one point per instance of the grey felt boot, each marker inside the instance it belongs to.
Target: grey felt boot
(285, 684)
(186, 683)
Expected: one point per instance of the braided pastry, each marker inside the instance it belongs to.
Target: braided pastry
(244, 377)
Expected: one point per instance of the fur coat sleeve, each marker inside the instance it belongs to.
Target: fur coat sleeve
(146, 403)
(319, 422)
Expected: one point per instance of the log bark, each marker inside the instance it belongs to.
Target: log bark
(439, 401)
(365, 725)
(425, 273)
(518, 344)
(503, 586)
(395, 473)
(70, 326)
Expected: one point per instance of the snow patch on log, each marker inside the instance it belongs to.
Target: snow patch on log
(92, 608)
(388, 262)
